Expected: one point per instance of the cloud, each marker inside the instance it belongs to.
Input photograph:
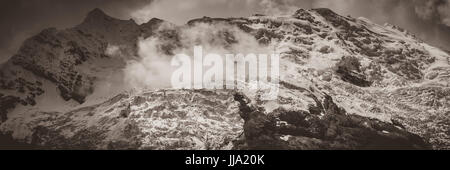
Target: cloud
(444, 11)
(19, 19)
(153, 69)
(438, 10)
(281, 7)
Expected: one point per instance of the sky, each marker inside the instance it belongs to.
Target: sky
(21, 19)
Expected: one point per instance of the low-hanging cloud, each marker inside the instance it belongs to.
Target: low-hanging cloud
(153, 67)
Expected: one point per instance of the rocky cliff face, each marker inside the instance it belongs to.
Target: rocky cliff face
(59, 55)
(346, 83)
(327, 127)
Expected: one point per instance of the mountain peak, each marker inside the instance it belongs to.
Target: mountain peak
(326, 12)
(97, 15)
(154, 21)
(97, 12)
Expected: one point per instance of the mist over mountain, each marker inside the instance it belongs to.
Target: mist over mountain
(22, 19)
(345, 83)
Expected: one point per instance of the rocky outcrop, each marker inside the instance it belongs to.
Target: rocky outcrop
(283, 129)
(349, 69)
(7, 103)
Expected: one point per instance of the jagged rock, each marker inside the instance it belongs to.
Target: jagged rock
(349, 70)
(333, 18)
(335, 130)
(7, 103)
(208, 20)
(125, 112)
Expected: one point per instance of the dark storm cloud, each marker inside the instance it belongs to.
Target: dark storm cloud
(19, 19)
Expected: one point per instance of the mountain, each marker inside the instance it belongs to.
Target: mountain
(345, 83)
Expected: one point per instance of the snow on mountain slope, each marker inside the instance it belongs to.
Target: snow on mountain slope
(366, 68)
(164, 119)
(346, 83)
